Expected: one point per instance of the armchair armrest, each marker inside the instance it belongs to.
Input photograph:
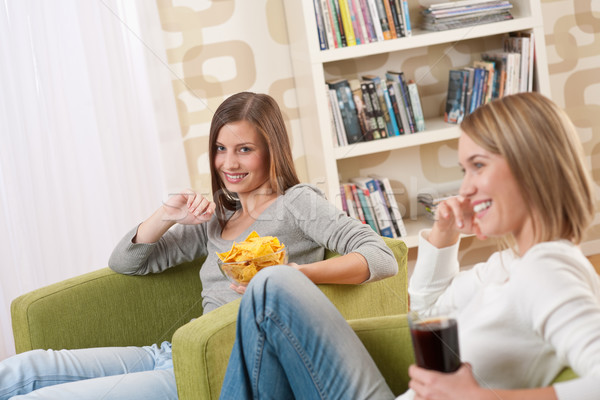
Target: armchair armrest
(104, 308)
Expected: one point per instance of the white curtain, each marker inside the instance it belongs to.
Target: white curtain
(89, 139)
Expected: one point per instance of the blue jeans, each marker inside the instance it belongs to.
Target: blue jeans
(107, 373)
(291, 342)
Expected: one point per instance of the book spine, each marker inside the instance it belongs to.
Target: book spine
(320, 26)
(396, 106)
(397, 215)
(368, 21)
(352, 211)
(361, 112)
(328, 23)
(382, 213)
(390, 18)
(415, 101)
(347, 23)
(381, 125)
(333, 127)
(360, 212)
(390, 109)
(383, 220)
(337, 118)
(406, 15)
(355, 23)
(407, 103)
(385, 26)
(397, 28)
(360, 19)
(371, 119)
(453, 113)
(399, 12)
(375, 20)
(335, 6)
(365, 201)
(343, 199)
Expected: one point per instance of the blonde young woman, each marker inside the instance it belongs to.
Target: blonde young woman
(255, 188)
(523, 315)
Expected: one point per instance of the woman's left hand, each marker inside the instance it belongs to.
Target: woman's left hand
(433, 385)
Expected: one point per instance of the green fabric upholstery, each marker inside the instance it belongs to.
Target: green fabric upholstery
(102, 308)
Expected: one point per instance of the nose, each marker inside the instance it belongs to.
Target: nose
(231, 160)
(467, 187)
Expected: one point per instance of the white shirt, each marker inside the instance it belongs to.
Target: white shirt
(521, 319)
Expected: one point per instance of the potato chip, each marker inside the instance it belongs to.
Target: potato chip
(246, 258)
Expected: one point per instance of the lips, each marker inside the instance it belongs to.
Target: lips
(234, 178)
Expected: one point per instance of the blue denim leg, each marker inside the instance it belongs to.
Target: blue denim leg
(97, 373)
(291, 342)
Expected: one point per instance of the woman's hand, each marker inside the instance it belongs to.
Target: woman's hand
(188, 208)
(433, 385)
(453, 216)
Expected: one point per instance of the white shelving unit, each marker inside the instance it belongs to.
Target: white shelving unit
(329, 165)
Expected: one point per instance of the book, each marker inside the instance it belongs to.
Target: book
(403, 93)
(358, 204)
(351, 205)
(335, 8)
(335, 30)
(323, 45)
(361, 110)
(355, 23)
(390, 18)
(395, 18)
(455, 106)
(328, 23)
(368, 19)
(390, 108)
(415, 102)
(401, 110)
(500, 72)
(406, 15)
(337, 118)
(385, 112)
(365, 201)
(400, 13)
(385, 26)
(370, 113)
(360, 21)
(347, 110)
(333, 127)
(347, 22)
(489, 82)
(375, 20)
(380, 209)
(395, 214)
(397, 106)
(377, 109)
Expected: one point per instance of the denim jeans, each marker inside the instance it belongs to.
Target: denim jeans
(291, 342)
(107, 373)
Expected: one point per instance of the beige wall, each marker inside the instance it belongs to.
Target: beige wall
(217, 48)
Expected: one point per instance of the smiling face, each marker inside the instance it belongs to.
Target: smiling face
(494, 194)
(242, 158)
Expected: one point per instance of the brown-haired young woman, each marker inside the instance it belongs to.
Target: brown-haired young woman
(255, 188)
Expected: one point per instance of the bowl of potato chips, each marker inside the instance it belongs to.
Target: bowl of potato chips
(245, 259)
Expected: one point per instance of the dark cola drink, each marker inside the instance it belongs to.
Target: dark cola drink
(435, 342)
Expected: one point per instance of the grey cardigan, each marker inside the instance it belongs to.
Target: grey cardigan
(302, 219)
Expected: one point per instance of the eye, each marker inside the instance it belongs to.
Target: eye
(245, 149)
(220, 148)
(478, 165)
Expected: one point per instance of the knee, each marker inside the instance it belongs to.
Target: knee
(279, 276)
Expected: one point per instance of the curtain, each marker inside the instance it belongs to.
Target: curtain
(89, 138)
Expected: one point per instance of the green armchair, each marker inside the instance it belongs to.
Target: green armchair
(103, 308)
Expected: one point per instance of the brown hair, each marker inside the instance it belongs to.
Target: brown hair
(544, 153)
(262, 111)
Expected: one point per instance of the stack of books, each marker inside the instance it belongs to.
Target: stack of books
(371, 200)
(430, 202)
(496, 75)
(374, 108)
(344, 23)
(459, 14)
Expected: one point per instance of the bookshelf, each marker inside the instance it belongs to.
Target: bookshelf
(400, 158)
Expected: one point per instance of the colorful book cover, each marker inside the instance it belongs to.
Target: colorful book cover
(320, 26)
(385, 26)
(375, 20)
(382, 126)
(379, 208)
(365, 201)
(396, 106)
(371, 117)
(454, 100)
(347, 22)
(382, 103)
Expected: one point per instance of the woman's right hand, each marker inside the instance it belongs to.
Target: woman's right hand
(188, 208)
(453, 216)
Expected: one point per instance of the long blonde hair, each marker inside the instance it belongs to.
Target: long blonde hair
(545, 156)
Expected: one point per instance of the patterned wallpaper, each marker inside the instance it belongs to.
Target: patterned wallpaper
(221, 47)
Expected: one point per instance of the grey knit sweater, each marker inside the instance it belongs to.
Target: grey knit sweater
(302, 219)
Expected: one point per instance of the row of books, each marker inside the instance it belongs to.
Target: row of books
(495, 75)
(371, 200)
(343, 23)
(374, 108)
(459, 14)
